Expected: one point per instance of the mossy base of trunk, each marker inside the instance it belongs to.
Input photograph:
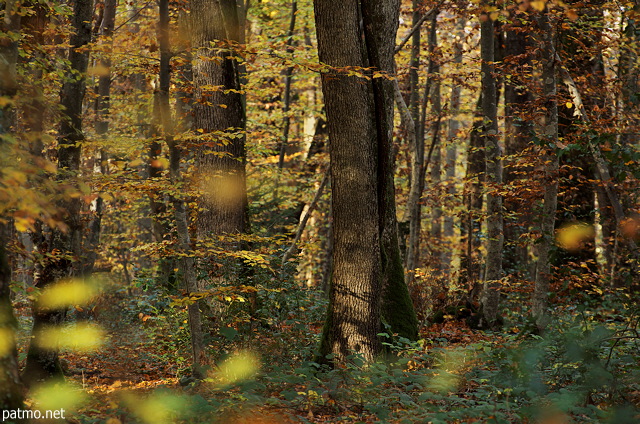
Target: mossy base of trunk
(397, 307)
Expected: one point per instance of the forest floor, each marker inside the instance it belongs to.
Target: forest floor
(139, 375)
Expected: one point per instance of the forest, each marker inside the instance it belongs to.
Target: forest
(316, 211)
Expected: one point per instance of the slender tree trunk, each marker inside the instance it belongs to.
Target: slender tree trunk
(287, 86)
(452, 154)
(43, 364)
(436, 147)
(418, 165)
(539, 308)
(518, 135)
(629, 74)
(11, 389)
(493, 176)
(102, 129)
(187, 262)
(470, 268)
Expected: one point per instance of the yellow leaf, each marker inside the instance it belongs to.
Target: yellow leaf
(571, 14)
(539, 5)
(23, 224)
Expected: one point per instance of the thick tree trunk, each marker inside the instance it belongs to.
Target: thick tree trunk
(366, 262)
(549, 126)
(41, 363)
(380, 26)
(353, 319)
(219, 118)
(493, 177)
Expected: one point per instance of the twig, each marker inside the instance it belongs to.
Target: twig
(303, 222)
(415, 28)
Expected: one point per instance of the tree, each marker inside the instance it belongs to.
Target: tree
(186, 263)
(65, 245)
(368, 281)
(549, 126)
(11, 391)
(219, 116)
(493, 175)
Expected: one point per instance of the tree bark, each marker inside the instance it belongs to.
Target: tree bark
(219, 117)
(493, 177)
(549, 126)
(366, 262)
(43, 364)
(518, 135)
(452, 154)
(11, 388)
(186, 262)
(102, 129)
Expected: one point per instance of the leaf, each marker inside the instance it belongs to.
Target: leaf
(571, 14)
(229, 333)
(539, 5)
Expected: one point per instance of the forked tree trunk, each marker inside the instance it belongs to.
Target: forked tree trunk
(368, 279)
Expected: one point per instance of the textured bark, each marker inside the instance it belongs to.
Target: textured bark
(470, 232)
(288, 74)
(452, 153)
(186, 263)
(549, 126)
(353, 320)
(219, 117)
(380, 26)
(418, 165)
(366, 261)
(518, 134)
(11, 389)
(43, 364)
(102, 129)
(493, 177)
